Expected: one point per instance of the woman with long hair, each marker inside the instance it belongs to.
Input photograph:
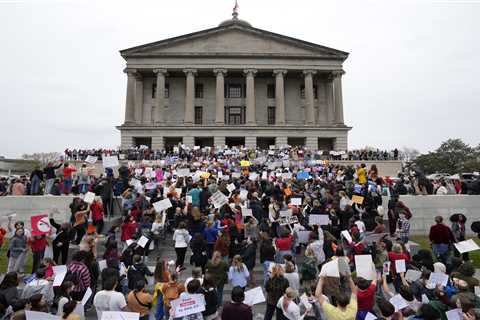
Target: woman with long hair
(139, 300)
(238, 273)
(275, 287)
(68, 311)
(211, 298)
(64, 297)
(199, 252)
(217, 270)
(181, 238)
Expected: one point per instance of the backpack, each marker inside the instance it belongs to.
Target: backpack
(308, 271)
(170, 293)
(134, 275)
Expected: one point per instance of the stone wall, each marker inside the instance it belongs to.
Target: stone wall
(426, 208)
(26, 206)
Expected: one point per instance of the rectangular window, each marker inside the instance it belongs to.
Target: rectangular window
(235, 91)
(235, 115)
(167, 90)
(198, 115)
(154, 90)
(271, 115)
(199, 91)
(271, 91)
(302, 92)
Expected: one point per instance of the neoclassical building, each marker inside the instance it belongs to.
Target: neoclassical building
(234, 85)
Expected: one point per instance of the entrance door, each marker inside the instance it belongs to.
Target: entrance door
(235, 141)
(296, 142)
(264, 143)
(204, 141)
(170, 142)
(142, 141)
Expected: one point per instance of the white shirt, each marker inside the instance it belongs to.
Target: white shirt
(442, 191)
(293, 280)
(292, 312)
(180, 236)
(108, 300)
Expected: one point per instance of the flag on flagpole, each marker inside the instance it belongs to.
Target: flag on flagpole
(235, 9)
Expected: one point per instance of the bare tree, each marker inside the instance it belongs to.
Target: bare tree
(43, 157)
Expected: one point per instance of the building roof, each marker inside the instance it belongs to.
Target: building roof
(176, 46)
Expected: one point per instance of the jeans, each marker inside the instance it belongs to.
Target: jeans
(83, 188)
(67, 185)
(266, 265)
(441, 252)
(280, 254)
(37, 259)
(49, 185)
(219, 295)
(35, 187)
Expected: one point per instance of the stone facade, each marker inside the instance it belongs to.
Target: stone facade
(234, 85)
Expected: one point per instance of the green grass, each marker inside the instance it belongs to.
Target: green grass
(4, 259)
(425, 244)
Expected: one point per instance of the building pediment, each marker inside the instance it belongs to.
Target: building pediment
(234, 40)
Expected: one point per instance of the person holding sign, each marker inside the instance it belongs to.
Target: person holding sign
(397, 254)
(346, 308)
(238, 273)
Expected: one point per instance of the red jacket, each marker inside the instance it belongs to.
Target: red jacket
(128, 230)
(97, 211)
(67, 172)
(393, 256)
(284, 243)
(38, 245)
(440, 233)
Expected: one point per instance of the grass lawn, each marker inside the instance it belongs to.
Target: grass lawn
(425, 244)
(4, 259)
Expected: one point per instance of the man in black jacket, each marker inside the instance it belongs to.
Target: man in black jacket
(49, 172)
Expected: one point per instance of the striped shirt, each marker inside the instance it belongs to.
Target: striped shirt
(83, 275)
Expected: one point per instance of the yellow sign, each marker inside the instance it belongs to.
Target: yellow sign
(205, 175)
(357, 199)
(245, 163)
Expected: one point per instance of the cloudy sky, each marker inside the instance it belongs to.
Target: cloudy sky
(412, 75)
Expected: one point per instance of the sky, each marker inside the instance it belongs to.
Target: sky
(411, 78)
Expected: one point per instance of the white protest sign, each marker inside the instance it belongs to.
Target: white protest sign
(182, 307)
(116, 315)
(303, 236)
(398, 302)
(318, 219)
(425, 299)
(110, 161)
(477, 291)
(89, 197)
(305, 302)
(102, 264)
(438, 278)
(254, 296)
(466, 246)
(253, 176)
(370, 316)
(142, 242)
(400, 266)
(386, 267)
(219, 199)
(231, 187)
(345, 234)
(364, 266)
(150, 185)
(86, 296)
(188, 199)
(247, 212)
(129, 242)
(236, 175)
(296, 201)
(35, 315)
(162, 205)
(286, 213)
(60, 272)
(185, 172)
(243, 194)
(330, 269)
(413, 275)
(455, 314)
(91, 159)
(264, 175)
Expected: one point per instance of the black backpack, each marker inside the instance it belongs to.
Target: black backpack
(134, 275)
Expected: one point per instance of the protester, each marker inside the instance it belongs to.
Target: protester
(236, 309)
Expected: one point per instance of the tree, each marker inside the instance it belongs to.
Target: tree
(43, 157)
(409, 154)
(453, 156)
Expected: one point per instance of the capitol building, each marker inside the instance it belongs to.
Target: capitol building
(234, 85)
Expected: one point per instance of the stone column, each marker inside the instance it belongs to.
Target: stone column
(219, 141)
(130, 101)
(160, 96)
(138, 97)
(329, 96)
(189, 95)
(337, 86)
(309, 97)
(281, 141)
(279, 96)
(220, 96)
(250, 113)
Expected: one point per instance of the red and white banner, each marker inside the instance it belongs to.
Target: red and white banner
(40, 225)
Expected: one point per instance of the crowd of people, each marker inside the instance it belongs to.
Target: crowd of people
(145, 153)
(315, 230)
